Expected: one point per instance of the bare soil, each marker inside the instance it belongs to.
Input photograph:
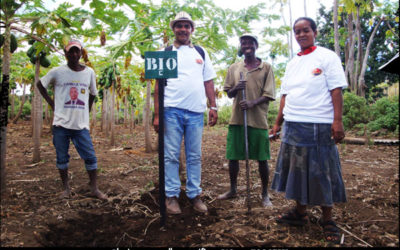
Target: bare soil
(32, 214)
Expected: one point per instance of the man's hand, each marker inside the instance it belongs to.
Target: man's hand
(241, 85)
(244, 104)
(212, 117)
(233, 91)
(156, 123)
(337, 131)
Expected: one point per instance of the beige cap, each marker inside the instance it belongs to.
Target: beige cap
(249, 36)
(181, 16)
(73, 43)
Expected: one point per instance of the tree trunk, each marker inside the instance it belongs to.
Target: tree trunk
(21, 107)
(146, 118)
(305, 7)
(93, 121)
(37, 116)
(336, 27)
(291, 25)
(125, 111)
(349, 71)
(117, 109)
(107, 111)
(132, 123)
(5, 84)
(112, 116)
(361, 81)
(103, 111)
(359, 47)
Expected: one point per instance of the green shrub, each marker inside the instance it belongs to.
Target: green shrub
(224, 115)
(273, 113)
(355, 110)
(385, 114)
(26, 110)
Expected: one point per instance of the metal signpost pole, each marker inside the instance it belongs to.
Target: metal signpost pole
(161, 176)
(161, 65)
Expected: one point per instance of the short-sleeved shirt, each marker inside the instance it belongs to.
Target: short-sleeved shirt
(71, 112)
(188, 91)
(307, 84)
(260, 82)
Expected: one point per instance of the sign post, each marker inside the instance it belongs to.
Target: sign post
(161, 65)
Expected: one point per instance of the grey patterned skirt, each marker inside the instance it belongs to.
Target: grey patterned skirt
(308, 167)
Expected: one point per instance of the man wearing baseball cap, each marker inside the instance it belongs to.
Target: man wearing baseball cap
(71, 122)
(259, 85)
(185, 102)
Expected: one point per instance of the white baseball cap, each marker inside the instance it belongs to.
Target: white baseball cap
(73, 43)
(249, 36)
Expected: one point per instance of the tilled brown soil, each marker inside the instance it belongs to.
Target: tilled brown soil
(32, 214)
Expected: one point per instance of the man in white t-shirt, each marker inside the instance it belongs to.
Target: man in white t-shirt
(185, 102)
(74, 93)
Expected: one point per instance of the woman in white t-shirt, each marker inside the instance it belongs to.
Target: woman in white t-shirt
(308, 167)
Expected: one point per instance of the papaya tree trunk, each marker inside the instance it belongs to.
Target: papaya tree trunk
(132, 125)
(112, 116)
(125, 111)
(107, 112)
(93, 121)
(5, 84)
(146, 118)
(103, 111)
(37, 116)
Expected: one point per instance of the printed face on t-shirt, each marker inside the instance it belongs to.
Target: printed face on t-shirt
(73, 93)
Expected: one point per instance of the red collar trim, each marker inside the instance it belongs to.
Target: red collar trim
(307, 51)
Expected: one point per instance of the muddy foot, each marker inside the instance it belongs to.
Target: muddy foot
(266, 202)
(227, 195)
(99, 195)
(65, 194)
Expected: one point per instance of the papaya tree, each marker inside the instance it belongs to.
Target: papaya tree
(7, 13)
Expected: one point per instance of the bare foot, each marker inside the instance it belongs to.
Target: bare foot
(65, 194)
(266, 202)
(227, 195)
(99, 195)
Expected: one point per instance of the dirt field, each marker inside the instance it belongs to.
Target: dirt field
(32, 214)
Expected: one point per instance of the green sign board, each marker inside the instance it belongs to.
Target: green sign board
(160, 64)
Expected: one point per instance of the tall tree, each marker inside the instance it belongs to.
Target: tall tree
(362, 25)
(336, 26)
(8, 9)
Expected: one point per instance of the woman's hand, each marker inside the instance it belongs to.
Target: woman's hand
(337, 131)
(275, 129)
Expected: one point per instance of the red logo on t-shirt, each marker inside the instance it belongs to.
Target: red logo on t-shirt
(199, 61)
(316, 71)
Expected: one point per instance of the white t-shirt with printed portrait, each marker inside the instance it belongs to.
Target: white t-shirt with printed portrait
(71, 95)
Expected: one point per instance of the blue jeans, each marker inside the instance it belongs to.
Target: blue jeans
(178, 123)
(82, 142)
